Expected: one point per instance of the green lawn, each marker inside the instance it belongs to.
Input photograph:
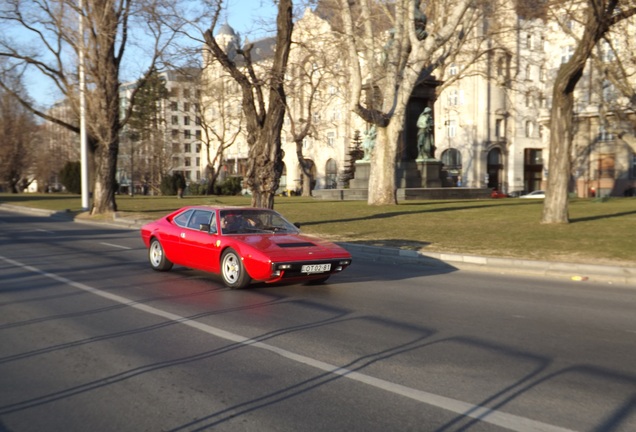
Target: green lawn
(602, 232)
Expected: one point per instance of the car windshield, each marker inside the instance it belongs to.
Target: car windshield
(250, 221)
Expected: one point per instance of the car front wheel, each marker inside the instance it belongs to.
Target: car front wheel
(232, 270)
(157, 257)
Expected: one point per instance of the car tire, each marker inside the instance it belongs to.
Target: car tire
(232, 270)
(157, 256)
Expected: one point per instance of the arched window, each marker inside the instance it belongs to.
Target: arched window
(452, 158)
(452, 165)
(495, 169)
(331, 174)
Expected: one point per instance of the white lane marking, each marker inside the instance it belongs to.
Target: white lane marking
(482, 413)
(44, 231)
(115, 246)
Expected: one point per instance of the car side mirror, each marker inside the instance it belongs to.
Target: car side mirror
(297, 225)
(204, 227)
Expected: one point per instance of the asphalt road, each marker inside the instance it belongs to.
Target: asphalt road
(92, 339)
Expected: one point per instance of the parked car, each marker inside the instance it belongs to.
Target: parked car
(242, 245)
(498, 194)
(534, 194)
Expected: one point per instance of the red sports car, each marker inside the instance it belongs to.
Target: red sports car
(242, 245)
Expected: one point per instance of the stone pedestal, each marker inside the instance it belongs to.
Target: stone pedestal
(430, 170)
(408, 174)
(360, 179)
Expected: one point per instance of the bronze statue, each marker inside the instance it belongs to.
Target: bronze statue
(425, 139)
(369, 142)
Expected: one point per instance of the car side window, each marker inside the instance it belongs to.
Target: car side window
(198, 218)
(182, 219)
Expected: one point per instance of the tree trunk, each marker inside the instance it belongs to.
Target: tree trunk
(104, 190)
(555, 206)
(382, 176)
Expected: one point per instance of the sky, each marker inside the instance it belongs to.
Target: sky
(250, 18)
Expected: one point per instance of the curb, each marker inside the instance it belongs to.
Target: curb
(444, 261)
(515, 266)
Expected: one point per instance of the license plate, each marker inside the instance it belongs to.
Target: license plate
(315, 268)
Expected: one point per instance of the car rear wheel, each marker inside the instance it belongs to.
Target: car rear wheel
(157, 257)
(233, 271)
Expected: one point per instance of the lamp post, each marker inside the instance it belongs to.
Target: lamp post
(82, 95)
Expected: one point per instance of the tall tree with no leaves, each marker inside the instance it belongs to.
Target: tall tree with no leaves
(17, 135)
(409, 44)
(263, 118)
(50, 45)
(597, 17)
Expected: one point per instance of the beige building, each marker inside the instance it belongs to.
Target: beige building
(176, 144)
(491, 121)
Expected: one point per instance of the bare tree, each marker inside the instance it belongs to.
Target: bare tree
(414, 45)
(596, 17)
(17, 138)
(311, 86)
(220, 115)
(52, 48)
(263, 117)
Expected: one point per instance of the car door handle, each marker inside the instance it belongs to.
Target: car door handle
(183, 235)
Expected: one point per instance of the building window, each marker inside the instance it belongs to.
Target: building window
(198, 145)
(331, 174)
(533, 157)
(175, 133)
(566, 53)
(500, 128)
(186, 106)
(197, 135)
(175, 120)
(187, 161)
(186, 120)
(187, 134)
(175, 147)
(606, 166)
(186, 93)
(331, 139)
(453, 97)
(452, 70)
(187, 148)
(604, 135)
(529, 129)
(174, 106)
(198, 160)
(452, 128)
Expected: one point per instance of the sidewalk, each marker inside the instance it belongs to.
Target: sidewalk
(575, 272)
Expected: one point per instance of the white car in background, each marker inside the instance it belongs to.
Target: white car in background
(534, 194)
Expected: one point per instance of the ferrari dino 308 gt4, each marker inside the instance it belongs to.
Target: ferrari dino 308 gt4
(242, 245)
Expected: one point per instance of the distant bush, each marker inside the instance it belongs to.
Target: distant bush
(70, 177)
(197, 188)
(231, 186)
(172, 184)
